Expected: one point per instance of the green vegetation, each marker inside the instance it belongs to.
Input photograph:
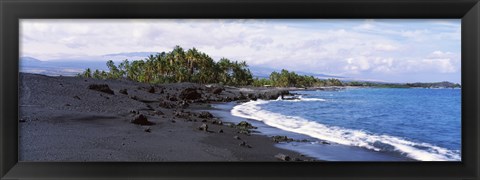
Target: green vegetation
(378, 85)
(292, 79)
(178, 66)
(443, 84)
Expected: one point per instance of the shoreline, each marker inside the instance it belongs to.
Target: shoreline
(318, 149)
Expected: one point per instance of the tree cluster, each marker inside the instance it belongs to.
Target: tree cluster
(197, 67)
(178, 66)
(292, 79)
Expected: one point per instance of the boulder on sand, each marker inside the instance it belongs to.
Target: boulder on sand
(244, 144)
(203, 127)
(182, 114)
(244, 128)
(278, 139)
(190, 94)
(151, 90)
(282, 157)
(133, 111)
(217, 90)
(101, 87)
(244, 131)
(158, 112)
(184, 104)
(141, 120)
(245, 125)
(124, 91)
(218, 122)
(205, 114)
(147, 130)
(167, 104)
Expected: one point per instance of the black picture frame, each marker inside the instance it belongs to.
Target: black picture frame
(13, 10)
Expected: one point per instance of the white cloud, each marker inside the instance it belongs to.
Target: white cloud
(441, 54)
(415, 34)
(366, 25)
(346, 47)
(385, 47)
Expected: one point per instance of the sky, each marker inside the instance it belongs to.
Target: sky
(421, 50)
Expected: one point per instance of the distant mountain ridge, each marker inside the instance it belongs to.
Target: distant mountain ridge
(27, 59)
(58, 67)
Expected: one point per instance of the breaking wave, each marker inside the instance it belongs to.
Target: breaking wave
(350, 137)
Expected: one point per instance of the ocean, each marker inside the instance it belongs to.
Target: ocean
(364, 124)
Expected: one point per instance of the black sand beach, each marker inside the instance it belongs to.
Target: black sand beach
(79, 119)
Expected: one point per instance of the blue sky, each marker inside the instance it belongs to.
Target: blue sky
(384, 50)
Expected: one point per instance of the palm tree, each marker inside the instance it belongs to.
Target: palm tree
(114, 72)
(96, 74)
(225, 68)
(87, 73)
(274, 77)
(193, 60)
(179, 54)
(149, 70)
(207, 69)
(122, 67)
(161, 66)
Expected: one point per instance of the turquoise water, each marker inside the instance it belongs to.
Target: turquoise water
(421, 124)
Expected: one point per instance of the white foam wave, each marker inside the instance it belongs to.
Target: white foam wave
(301, 98)
(311, 99)
(350, 137)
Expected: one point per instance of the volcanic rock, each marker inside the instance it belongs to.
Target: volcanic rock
(245, 125)
(278, 139)
(282, 157)
(203, 127)
(101, 87)
(151, 90)
(190, 94)
(205, 114)
(141, 120)
(123, 91)
(217, 90)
